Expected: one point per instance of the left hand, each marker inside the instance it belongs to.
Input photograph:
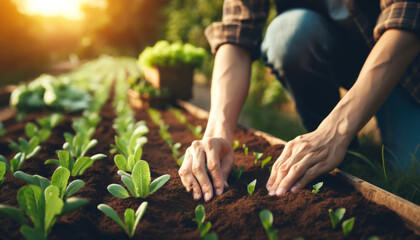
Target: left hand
(305, 158)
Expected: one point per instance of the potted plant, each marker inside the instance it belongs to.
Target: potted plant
(172, 66)
(142, 94)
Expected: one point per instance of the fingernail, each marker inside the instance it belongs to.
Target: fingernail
(218, 192)
(280, 191)
(268, 188)
(294, 188)
(196, 196)
(271, 193)
(206, 197)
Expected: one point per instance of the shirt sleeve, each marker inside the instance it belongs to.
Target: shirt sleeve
(398, 14)
(242, 24)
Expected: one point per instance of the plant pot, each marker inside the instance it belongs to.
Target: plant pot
(178, 80)
(140, 101)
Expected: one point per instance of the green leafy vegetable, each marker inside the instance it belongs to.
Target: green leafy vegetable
(266, 218)
(317, 187)
(138, 182)
(348, 226)
(131, 219)
(24, 150)
(76, 167)
(203, 228)
(237, 171)
(257, 156)
(265, 161)
(336, 216)
(251, 187)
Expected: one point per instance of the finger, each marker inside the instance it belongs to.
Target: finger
(274, 171)
(227, 165)
(280, 175)
(199, 171)
(213, 165)
(297, 154)
(312, 173)
(187, 178)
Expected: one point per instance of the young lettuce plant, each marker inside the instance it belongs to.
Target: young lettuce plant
(76, 167)
(203, 228)
(257, 156)
(132, 144)
(28, 149)
(266, 218)
(317, 187)
(251, 187)
(245, 149)
(336, 216)
(265, 161)
(348, 226)
(15, 163)
(47, 123)
(237, 171)
(131, 219)
(138, 182)
(78, 145)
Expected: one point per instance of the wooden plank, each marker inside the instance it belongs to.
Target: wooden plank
(407, 210)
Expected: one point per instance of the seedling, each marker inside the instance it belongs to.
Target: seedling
(131, 219)
(336, 216)
(15, 163)
(266, 218)
(2, 172)
(237, 171)
(257, 156)
(138, 182)
(348, 226)
(235, 144)
(50, 121)
(76, 167)
(245, 149)
(47, 124)
(203, 228)
(251, 187)
(28, 149)
(265, 161)
(2, 130)
(133, 142)
(182, 119)
(78, 145)
(316, 188)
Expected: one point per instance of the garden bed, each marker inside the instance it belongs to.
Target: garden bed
(234, 215)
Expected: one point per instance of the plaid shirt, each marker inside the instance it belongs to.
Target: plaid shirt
(244, 20)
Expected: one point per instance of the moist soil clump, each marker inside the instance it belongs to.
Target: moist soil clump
(234, 214)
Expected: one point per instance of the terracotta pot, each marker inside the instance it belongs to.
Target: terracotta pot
(138, 101)
(178, 80)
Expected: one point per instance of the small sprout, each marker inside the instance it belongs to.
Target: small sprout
(2, 130)
(197, 131)
(348, 226)
(2, 172)
(251, 187)
(235, 144)
(78, 145)
(257, 156)
(317, 187)
(24, 150)
(336, 216)
(266, 218)
(131, 219)
(265, 161)
(138, 182)
(245, 149)
(203, 228)
(237, 171)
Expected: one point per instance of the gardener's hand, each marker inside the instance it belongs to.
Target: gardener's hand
(305, 158)
(217, 154)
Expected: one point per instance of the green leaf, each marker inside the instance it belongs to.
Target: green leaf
(200, 214)
(235, 144)
(44, 134)
(60, 178)
(110, 212)
(158, 183)
(32, 233)
(31, 129)
(139, 214)
(257, 157)
(14, 164)
(266, 218)
(129, 219)
(2, 171)
(64, 158)
(12, 212)
(121, 162)
(317, 187)
(265, 162)
(251, 187)
(3, 160)
(130, 185)
(53, 207)
(118, 191)
(141, 178)
(52, 161)
(348, 226)
(130, 162)
(73, 187)
(121, 146)
(336, 216)
(36, 180)
(82, 163)
(90, 145)
(246, 151)
(14, 146)
(204, 228)
(211, 236)
(72, 204)
(98, 156)
(31, 200)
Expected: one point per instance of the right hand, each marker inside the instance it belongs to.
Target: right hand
(217, 155)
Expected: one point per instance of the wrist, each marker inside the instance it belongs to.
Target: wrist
(219, 131)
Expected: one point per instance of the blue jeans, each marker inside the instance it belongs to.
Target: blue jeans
(313, 56)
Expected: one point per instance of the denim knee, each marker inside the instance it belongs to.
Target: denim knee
(296, 40)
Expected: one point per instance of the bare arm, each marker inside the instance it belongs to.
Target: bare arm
(320, 151)
(230, 85)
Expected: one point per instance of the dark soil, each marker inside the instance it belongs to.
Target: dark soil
(234, 215)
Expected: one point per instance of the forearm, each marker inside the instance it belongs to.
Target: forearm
(230, 84)
(382, 70)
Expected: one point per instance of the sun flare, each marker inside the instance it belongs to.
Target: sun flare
(64, 8)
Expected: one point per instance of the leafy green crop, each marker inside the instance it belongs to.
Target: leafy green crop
(176, 54)
(235, 144)
(257, 156)
(24, 150)
(317, 187)
(237, 171)
(43, 201)
(131, 219)
(76, 167)
(336, 216)
(138, 182)
(251, 187)
(47, 123)
(265, 161)
(78, 145)
(348, 226)
(143, 87)
(266, 218)
(203, 228)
